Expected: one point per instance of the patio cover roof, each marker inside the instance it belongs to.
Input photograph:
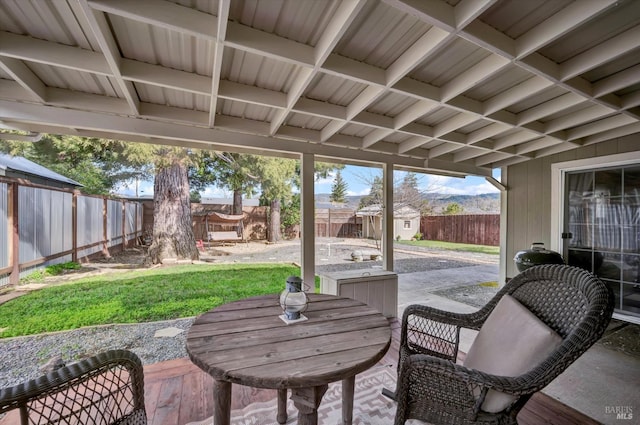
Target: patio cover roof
(453, 87)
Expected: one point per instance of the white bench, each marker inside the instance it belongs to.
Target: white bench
(224, 236)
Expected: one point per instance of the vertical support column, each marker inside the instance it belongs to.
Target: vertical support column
(387, 216)
(14, 277)
(307, 218)
(74, 226)
(504, 203)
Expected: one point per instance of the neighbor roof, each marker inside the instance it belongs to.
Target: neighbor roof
(455, 87)
(399, 211)
(23, 165)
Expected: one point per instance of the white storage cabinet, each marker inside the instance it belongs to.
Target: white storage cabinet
(376, 288)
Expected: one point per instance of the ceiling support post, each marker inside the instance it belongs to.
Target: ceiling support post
(387, 216)
(307, 221)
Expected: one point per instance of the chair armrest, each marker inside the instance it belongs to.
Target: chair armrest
(431, 383)
(115, 375)
(428, 330)
(453, 382)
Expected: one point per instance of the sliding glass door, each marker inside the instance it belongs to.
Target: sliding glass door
(602, 222)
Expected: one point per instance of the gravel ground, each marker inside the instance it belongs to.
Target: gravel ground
(23, 357)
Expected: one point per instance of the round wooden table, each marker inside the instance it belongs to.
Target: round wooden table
(245, 342)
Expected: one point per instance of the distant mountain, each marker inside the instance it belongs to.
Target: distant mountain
(486, 203)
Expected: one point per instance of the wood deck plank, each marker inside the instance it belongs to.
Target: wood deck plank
(177, 391)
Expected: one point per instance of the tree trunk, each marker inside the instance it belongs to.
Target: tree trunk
(172, 226)
(274, 221)
(237, 210)
(237, 202)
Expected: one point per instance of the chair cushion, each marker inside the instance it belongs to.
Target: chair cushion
(511, 342)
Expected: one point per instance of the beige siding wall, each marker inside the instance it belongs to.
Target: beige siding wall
(529, 195)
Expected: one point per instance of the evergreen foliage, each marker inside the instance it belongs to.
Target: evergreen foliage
(338, 189)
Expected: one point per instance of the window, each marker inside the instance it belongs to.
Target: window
(407, 224)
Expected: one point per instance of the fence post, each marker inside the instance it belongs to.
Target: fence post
(124, 225)
(105, 241)
(74, 226)
(14, 277)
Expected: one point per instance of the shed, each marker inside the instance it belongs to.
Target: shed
(406, 221)
(18, 167)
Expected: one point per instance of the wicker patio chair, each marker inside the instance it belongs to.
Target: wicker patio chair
(433, 388)
(104, 389)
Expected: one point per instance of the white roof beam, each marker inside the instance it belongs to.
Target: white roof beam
(413, 112)
(468, 153)
(251, 94)
(611, 134)
(359, 104)
(480, 71)
(515, 94)
(630, 100)
(514, 139)
(434, 12)
(604, 52)
(534, 145)
(453, 123)
(41, 51)
(412, 143)
(599, 126)
(320, 109)
(374, 137)
(165, 77)
(487, 132)
(571, 120)
(417, 89)
(269, 45)
(468, 10)
(559, 24)
(344, 67)
(493, 158)
(299, 85)
(620, 80)
(490, 38)
(414, 55)
(218, 51)
(25, 77)
(163, 14)
(86, 101)
(110, 50)
(443, 149)
(373, 120)
(510, 161)
(173, 114)
(340, 22)
(12, 90)
(344, 15)
(548, 108)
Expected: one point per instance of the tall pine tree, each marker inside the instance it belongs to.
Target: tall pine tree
(338, 189)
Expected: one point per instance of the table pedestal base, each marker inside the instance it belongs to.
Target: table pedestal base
(307, 401)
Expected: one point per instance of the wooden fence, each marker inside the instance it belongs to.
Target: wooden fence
(477, 229)
(41, 225)
(337, 223)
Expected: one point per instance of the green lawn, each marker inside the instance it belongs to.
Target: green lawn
(453, 246)
(139, 296)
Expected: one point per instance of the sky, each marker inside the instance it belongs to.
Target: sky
(358, 183)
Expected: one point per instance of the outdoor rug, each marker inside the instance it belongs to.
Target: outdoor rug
(370, 406)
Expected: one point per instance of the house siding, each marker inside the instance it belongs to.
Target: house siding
(529, 205)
